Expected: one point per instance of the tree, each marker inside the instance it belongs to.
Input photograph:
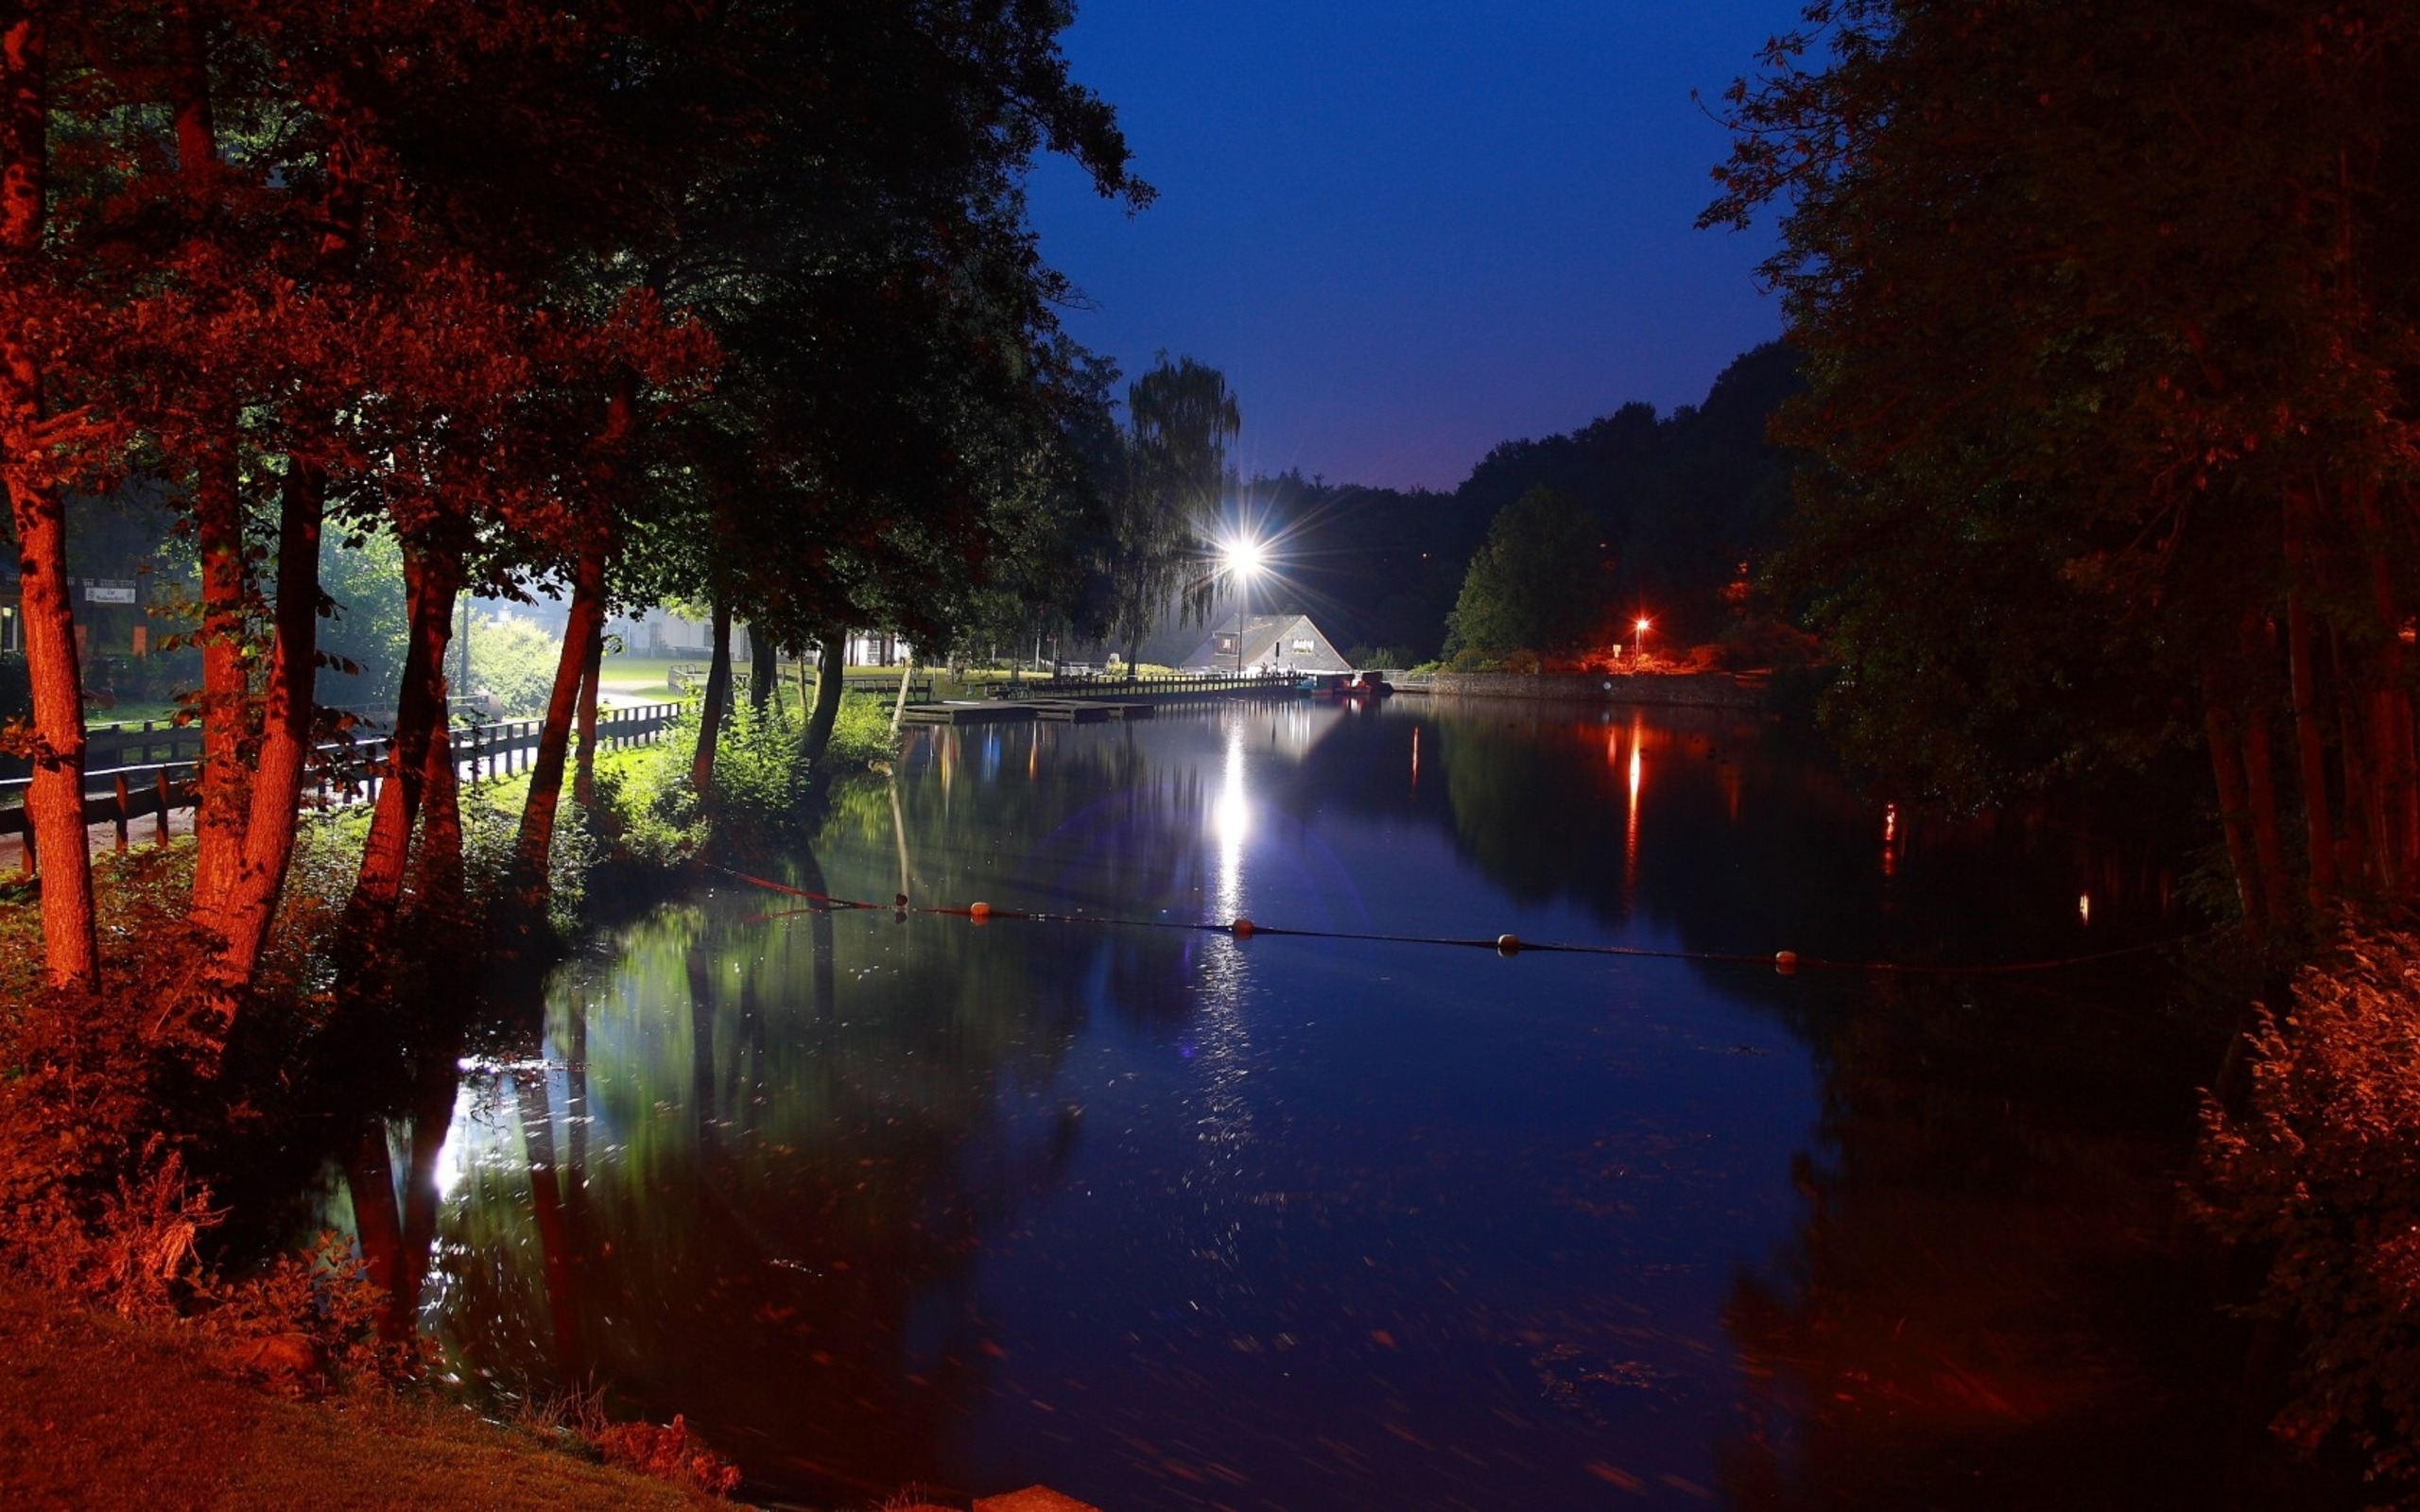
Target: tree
(1180, 418)
(2110, 359)
(1538, 583)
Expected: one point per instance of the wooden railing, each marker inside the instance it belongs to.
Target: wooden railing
(341, 772)
(1110, 685)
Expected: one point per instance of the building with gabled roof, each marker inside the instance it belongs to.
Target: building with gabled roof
(1281, 642)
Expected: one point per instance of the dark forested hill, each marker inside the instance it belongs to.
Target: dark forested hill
(1684, 499)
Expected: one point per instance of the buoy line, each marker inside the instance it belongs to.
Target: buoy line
(1784, 962)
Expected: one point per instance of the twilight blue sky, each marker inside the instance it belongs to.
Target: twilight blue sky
(1408, 230)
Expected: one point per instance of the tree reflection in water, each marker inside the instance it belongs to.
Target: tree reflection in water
(1381, 1223)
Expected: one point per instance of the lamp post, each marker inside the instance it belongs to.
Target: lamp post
(1243, 557)
(1641, 628)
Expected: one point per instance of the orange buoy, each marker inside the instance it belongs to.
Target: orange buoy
(1786, 962)
(1508, 944)
(978, 912)
(1241, 928)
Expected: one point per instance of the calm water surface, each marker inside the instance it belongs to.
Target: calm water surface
(1166, 1219)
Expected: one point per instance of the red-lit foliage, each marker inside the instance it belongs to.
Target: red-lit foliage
(2320, 1170)
(671, 1452)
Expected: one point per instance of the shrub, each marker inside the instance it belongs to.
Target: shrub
(860, 735)
(671, 1454)
(515, 660)
(2322, 1169)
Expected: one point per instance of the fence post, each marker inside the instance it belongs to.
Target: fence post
(25, 858)
(160, 784)
(121, 810)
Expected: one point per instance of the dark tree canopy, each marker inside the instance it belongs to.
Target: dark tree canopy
(1538, 583)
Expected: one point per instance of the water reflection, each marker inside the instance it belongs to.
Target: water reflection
(1168, 1218)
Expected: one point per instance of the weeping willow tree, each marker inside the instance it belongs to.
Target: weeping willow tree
(1180, 418)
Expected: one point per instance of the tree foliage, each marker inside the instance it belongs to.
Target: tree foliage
(2109, 351)
(1537, 585)
(1170, 476)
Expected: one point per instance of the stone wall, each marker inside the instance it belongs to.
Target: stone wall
(1701, 689)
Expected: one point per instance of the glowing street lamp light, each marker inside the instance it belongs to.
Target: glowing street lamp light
(1641, 628)
(1243, 557)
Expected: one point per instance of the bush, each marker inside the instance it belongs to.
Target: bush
(514, 661)
(760, 784)
(672, 1452)
(860, 735)
(2322, 1170)
(1757, 644)
(96, 1200)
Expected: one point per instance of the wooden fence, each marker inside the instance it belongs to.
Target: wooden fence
(683, 676)
(341, 772)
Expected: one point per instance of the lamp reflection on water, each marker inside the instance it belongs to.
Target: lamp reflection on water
(1629, 833)
(1231, 820)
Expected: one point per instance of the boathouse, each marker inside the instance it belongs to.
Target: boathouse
(1281, 642)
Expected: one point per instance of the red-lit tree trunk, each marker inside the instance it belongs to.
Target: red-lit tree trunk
(244, 912)
(226, 690)
(218, 518)
(716, 703)
(430, 583)
(537, 836)
(440, 824)
(55, 800)
(583, 781)
(243, 916)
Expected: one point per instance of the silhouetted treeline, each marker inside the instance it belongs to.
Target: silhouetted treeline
(1684, 499)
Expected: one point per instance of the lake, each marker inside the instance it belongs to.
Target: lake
(1166, 1218)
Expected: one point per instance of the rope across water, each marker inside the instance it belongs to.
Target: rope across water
(1784, 962)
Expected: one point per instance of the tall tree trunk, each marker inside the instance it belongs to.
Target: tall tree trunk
(537, 837)
(431, 579)
(831, 670)
(761, 670)
(243, 918)
(2260, 768)
(218, 519)
(2393, 755)
(2358, 840)
(583, 781)
(243, 913)
(2310, 737)
(55, 799)
(716, 703)
(440, 824)
(226, 688)
(899, 705)
(2234, 804)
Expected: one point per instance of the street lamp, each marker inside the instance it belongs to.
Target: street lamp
(1242, 557)
(1641, 628)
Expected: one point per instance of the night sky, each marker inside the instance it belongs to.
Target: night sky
(1407, 232)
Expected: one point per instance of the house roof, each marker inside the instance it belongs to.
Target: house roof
(1272, 640)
